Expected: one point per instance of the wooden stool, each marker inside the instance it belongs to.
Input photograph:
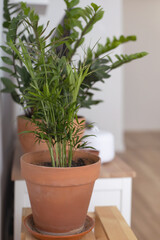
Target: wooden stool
(109, 225)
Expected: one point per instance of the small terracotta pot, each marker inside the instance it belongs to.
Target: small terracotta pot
(80, 119)
(59, 196)
(27, 140)
(96, 152)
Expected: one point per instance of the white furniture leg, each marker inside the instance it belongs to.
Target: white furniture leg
(21, 200)
(126, 199)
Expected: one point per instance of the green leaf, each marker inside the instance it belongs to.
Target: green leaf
(5, 69)
(126, 59)
(81, 42)
(12, 31)
(25, 57)
(112, 44)
(9, 85)
(25, 9)
(15, 97)
(7, 60)
(95, 6)
(88, 29)
(7, 50)
(98, 15)
(51, 32)
(74, 13)
(89, 54)
(71, 4)
(6, 24)
(24, 75)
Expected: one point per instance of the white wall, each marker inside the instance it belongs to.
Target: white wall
(109, 114)
(142, 78)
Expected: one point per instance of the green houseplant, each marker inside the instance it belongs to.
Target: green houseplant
(59, 188)
(99, 58)
(77, 23)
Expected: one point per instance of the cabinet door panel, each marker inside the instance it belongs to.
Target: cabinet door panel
(105, 198)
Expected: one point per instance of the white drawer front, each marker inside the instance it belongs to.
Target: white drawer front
(105, 198)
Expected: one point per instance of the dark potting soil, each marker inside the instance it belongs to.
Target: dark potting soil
(79, 163)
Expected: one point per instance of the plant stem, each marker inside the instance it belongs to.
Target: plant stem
(70, 145)
(49, 143)
(57, 157)
(60, 155)
(64, 152)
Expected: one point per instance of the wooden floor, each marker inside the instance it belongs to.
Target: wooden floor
(143, 155)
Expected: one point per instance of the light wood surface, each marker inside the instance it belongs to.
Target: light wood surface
(109, 225)
(114, 169)
(113, 224)
(143, 154)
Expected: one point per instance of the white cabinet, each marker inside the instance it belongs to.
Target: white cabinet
(113, 192)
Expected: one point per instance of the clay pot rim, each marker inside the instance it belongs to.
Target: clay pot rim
(59, 168)
(58, 176)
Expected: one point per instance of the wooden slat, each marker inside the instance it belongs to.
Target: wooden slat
(99, 231)
(114, 225)
(89, 236)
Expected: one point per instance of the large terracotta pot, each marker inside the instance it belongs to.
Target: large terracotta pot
(59, 196)
(27, 140)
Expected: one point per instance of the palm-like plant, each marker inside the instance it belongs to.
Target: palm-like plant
(53, 92)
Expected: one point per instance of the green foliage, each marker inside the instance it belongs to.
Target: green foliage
(77, 23)
(110, 45)
(52, 92)
(7, 60)
(9, 85)
(17, 77)
(70, 35)
(100, 69)
(125, 59)
(49, 86)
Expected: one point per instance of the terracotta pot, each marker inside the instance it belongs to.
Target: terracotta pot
(59, 196)
(27, 140)
(80, 119)
(96, 152)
